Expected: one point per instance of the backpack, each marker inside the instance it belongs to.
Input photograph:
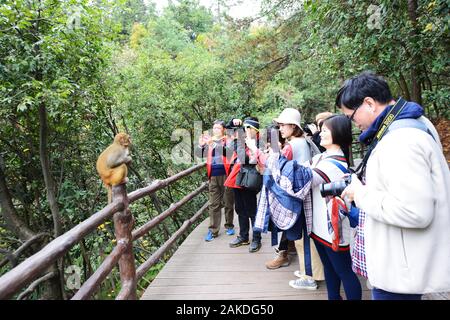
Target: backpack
(410, 123)
(312, 147)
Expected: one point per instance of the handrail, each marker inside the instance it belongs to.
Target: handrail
(141, 231)
(90, 285)
(143, 268)
(160, 184)
(29, 269)
(32, 267)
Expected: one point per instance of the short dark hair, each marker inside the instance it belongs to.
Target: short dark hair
(221, 122)
(341, 132)
(252, 121)
(367, 84)
(251, 118)
(307, 130)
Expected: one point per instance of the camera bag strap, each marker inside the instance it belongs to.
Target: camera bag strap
(390, 117)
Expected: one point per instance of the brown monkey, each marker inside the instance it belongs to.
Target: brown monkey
(112, 163)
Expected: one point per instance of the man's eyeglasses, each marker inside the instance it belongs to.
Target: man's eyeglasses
(353, 114)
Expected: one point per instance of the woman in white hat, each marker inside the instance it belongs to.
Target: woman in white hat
(295, 148)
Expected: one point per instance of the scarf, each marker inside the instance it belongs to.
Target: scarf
(411, 110)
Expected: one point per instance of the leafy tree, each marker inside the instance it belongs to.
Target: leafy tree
(51, 56)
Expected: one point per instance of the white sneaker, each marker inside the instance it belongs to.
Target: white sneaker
(298, 274)
(303, 283)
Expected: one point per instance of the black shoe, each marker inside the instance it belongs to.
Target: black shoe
(238, 242)
(255, 246)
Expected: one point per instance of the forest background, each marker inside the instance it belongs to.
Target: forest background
(73, 73)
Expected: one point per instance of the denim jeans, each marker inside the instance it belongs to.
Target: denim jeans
(378, 294)
(338, 269)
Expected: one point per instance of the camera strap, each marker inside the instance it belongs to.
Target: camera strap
(390, 117)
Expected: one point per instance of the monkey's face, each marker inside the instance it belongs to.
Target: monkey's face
(123, 139)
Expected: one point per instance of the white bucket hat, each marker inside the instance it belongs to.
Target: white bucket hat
(289, 116)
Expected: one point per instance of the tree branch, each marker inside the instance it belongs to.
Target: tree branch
(33, 286)
(45, 164)
(13, 257)
(14, 223)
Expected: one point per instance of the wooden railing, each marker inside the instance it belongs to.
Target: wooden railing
(122, 254)
(357, 149)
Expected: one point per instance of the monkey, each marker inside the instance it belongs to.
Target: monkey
(112, 163)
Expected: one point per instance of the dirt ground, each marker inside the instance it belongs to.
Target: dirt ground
(443, 128)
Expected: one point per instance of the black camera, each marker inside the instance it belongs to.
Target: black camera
(334, 188)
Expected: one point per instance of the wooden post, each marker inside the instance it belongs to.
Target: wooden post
(350, 160)
(123, 225)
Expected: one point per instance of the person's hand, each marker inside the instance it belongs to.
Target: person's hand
(349, 193)
(237, 122)
(204, 139)
(251, 144)
(209, 140)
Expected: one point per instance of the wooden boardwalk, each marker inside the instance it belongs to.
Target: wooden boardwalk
(202, 270)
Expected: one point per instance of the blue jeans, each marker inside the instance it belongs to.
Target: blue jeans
(337, 267)
(378, 294)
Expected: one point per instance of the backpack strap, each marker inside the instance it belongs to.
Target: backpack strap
(340, 166)
(313, 149)
(335, 160)
(338, 158)
(410, 123)
(322, 174)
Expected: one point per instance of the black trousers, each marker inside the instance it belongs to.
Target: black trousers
(284, 242)
(245, 203)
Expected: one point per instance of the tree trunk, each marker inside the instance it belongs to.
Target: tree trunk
(45, 163)
(20, 229)
(416, 90)
(404, 87)
(56, 283)
(13, 221)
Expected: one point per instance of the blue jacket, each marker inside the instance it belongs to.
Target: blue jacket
(286, 185)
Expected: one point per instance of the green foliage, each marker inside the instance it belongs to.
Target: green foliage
(126, 13)
(334, 40)
(190, 15)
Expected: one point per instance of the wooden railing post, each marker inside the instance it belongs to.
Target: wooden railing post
(123, 225)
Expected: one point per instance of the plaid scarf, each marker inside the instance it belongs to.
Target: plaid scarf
(286, 189)
(359, 265)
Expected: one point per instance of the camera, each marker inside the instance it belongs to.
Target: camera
(334, 188)
(306, 129)
(234, 124)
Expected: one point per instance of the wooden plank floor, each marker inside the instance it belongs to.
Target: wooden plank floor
(202, 270)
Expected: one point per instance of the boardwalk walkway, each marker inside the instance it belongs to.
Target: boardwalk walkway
(202, 270)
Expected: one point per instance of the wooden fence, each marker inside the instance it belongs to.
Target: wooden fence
(122, 254)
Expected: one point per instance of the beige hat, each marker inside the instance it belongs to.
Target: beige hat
(289, 116)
